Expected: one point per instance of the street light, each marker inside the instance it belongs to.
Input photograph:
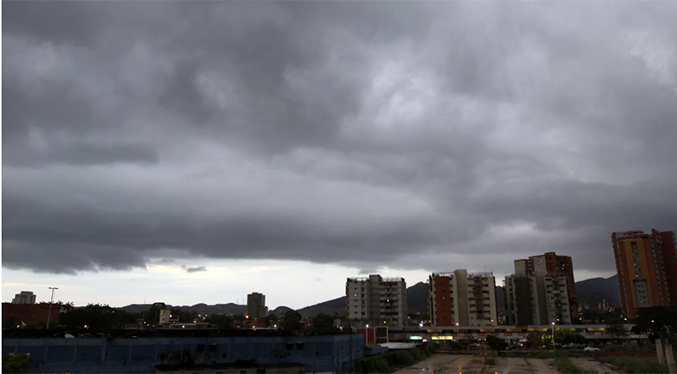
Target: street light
(552, 328)
(49, 314)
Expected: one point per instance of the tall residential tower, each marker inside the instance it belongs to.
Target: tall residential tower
(25, 297)
(256, 306)
(537, 299)
(646, 264)
(555, 266)
(462, 299)
(376, 301)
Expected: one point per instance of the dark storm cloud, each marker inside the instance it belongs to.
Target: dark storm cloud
(413, 135)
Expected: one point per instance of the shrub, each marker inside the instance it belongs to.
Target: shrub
(15, 363)
(629, 365)
(375, 364)
(546, 354)
(387, 362)
(565, 366)
(401, 358)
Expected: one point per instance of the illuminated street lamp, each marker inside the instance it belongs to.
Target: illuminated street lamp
(552, 328)
(49, 314)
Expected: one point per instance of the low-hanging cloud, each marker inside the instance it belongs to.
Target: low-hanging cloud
(193, 269)
(427, 135)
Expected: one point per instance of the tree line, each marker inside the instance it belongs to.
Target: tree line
(102, 317)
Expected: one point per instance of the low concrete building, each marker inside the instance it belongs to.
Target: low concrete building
(27, 314)
(231, 369)
(165, 317)
(322, 353)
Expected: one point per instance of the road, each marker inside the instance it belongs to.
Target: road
(459, 364)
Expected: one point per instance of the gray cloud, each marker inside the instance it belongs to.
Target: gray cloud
(434, 135)
(193, 269)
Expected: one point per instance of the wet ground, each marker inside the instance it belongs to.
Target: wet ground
(457, 364)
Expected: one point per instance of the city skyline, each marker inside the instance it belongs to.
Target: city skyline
(193, 152)
(328, 290)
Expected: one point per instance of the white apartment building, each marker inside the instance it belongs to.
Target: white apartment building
(25, 297)
(165, 316)
(537, 299)
(461, 299)
(376, 301)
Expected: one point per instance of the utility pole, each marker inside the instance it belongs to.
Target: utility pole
(49, 314)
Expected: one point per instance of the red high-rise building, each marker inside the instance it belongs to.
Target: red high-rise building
(646, 264)
(551, 263)
(669, 253)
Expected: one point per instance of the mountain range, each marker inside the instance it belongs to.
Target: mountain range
(590, 292)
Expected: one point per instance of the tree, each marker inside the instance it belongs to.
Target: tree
(15, 363)
(323, 323)
(153, 314)
(221, 321)
(497, 344)
(67, 306)
(292, 321)
(566, 337)
(9, 323)
(656, 321)
(534, 339)
(615, 327)
(94, 316)
(271, 320)
(239, 317)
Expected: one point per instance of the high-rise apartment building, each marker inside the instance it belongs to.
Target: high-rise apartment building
(554, 265)
(461, 299)
(376, 301)
(537, 299)
(256, 305)
(669, 253)
(25, 297)
(646, 264)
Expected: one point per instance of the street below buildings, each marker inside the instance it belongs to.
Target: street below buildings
(458, 364)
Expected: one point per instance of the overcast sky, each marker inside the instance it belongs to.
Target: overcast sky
(196, 152)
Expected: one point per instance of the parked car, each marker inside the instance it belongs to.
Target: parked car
(591, 349)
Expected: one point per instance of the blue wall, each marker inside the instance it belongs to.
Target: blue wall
(329, 353)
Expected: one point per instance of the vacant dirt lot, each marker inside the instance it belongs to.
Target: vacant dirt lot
(457, 364)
